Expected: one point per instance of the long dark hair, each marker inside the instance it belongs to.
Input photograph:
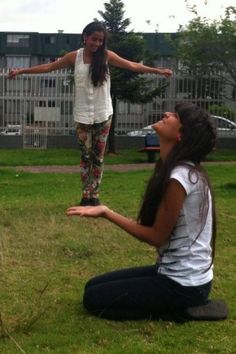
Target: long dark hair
(198, 138)
(98, 67)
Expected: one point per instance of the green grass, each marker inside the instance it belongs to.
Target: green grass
(20, 157)
(46, 258)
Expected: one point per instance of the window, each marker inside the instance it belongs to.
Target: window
(50, 39)
(12, 106)
(223, 124)
(66, 107)
(51, 104)
(18, 40)
(48, 83)
(42, 103)
(18, 61)
(48, 103)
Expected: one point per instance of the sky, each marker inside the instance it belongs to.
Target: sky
(71, 16)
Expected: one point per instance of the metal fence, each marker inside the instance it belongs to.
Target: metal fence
(37, 106)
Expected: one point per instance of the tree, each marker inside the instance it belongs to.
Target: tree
(126, 85)
(205, 48)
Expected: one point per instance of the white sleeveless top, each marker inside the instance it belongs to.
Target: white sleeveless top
(92, 104)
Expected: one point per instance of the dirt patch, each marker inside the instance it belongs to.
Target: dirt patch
(116, 168)
(75, 169)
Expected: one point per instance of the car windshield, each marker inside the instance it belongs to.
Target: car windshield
(222, 123)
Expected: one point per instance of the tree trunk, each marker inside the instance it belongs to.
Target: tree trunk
(111, 138)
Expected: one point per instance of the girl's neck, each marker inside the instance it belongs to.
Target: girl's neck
(165, 148)
(87, 56)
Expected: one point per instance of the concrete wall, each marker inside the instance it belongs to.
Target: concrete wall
(122, 142)
(11, 142)
(226, 143)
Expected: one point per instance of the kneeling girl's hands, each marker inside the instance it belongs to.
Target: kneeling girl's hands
(94, 211)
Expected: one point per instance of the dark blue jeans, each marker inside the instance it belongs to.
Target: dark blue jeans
(140, 293)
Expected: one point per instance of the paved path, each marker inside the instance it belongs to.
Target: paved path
(117, 168)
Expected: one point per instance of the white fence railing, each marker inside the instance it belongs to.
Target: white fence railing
(44, 103)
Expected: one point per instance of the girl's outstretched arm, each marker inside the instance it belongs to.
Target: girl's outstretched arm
(66, 61)
(120, 62)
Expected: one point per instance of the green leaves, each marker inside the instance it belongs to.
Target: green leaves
(203, 44)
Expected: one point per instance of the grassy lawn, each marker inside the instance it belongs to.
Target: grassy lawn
(46, 258)
(20, 157)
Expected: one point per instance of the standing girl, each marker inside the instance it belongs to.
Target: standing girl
(93, 106)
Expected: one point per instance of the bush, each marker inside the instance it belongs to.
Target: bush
(222, 111)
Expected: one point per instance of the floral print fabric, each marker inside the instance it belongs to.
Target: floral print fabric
(92, 142)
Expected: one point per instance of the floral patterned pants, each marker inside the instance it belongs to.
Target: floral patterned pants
(92, 142)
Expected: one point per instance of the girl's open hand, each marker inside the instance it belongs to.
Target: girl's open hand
(92, 211)
(165, 72)
(12, 73)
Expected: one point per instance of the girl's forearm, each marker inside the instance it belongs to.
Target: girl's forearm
(143, 233)
(151, 70)
(44, 68)
(148, 69)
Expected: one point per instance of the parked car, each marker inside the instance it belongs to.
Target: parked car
(11, 130)
(225, 128)
(142, 132)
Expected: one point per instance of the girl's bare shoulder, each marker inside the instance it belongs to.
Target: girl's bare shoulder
(71, 57)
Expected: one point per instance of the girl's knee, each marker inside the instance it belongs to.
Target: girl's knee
(89, 300)
(88, 284)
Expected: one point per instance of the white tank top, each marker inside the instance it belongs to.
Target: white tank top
(92, 104)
